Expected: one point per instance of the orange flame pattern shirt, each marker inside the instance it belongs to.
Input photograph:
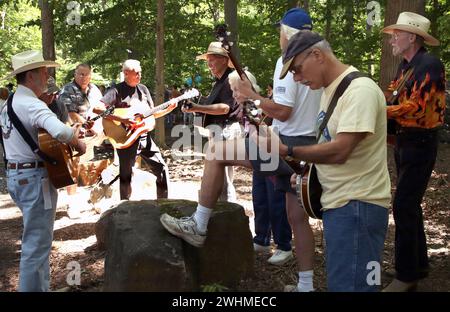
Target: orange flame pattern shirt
(421, 103)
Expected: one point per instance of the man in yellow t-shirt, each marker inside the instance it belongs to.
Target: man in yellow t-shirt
(351, 161)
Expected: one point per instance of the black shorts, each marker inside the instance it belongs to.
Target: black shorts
(272, 165)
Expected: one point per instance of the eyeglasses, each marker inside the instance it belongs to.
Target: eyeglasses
(395, 36)
(297, 69)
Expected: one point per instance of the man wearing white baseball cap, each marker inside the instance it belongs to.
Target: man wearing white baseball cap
(294, 110)
(418, 113)
(27, 177)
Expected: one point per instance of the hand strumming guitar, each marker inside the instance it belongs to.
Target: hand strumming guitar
(76, 143)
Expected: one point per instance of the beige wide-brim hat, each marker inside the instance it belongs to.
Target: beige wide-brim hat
(28, 60)
(216, 48)
(413, 23)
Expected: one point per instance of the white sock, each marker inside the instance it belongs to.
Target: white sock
(201, 217)
(305, 281)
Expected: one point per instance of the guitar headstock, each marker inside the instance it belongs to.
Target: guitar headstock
(222, 34)
(190, 94)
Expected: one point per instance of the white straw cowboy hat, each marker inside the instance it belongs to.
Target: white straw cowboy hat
(28, 60)
(216, 48)
(413, 23)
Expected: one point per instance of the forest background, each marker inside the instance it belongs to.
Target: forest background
(167, 35)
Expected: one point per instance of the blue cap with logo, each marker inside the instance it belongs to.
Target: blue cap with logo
(296, 18)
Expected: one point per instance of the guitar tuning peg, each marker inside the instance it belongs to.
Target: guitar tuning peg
(231, 43)
(221, 39)
(227, 47)
(228, 33)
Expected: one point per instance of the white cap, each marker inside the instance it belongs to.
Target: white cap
(132, 65)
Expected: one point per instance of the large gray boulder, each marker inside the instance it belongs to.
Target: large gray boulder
(142, 256)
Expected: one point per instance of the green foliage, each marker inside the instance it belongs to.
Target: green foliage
(17, 35)
(214, 288)
(111, 27)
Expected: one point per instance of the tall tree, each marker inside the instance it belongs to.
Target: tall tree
(48, 34)
(293, 3)
(389, 63)
(304, 4)
(231, 20)
(160, 130)
(328, 19)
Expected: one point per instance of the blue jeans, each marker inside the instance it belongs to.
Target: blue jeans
(270, 214)
(354, 236)
(36, 197)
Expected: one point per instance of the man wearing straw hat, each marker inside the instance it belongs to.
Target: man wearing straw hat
(219, 108)
(27, 178)
(418, 113)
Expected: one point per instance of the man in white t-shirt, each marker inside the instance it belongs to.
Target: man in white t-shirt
(28, 181)
(351, 162)
(294, 110)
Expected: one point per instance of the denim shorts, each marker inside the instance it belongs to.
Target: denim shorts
(354, 238)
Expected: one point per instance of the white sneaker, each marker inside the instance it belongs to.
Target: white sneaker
(280, 257)
(184, 228)
(261, 248)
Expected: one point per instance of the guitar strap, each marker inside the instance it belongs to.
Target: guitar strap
(24, 133)
(343, 85)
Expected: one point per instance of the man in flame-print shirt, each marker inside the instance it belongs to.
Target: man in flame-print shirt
(418, 113)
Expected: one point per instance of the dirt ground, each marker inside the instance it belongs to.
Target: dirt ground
(75, 243)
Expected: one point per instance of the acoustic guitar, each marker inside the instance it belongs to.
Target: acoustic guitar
(122, 136)
(62, 169)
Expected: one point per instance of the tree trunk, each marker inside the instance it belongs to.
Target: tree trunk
(48, 36)
(231, 20)
(328, 19)
(292, 4)
(434, 28)
(304, 4)
(389, 63)
(350, 27)
(160, 130)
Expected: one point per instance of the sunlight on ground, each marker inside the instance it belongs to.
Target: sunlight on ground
(72, 246)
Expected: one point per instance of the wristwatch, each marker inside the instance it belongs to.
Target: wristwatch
(290, 151)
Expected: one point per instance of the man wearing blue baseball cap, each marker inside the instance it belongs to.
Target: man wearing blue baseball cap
(296, 18)
(294, 110)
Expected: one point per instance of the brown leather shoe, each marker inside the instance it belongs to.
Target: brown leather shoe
(399, 286)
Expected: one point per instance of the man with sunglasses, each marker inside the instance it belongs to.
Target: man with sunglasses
(350, 159)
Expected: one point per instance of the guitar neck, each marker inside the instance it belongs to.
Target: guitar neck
(165, 105)
(106, 112)
(158, 108)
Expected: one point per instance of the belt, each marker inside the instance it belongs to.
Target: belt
(416, 130)
(26, 165)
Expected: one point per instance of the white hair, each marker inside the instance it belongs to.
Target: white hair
(132, 65)
(288, 31)
(233, 77)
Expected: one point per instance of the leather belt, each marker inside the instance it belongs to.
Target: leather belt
(26, 165)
